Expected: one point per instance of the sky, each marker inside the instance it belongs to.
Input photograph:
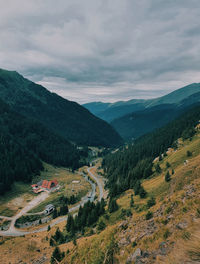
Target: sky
(103, 50)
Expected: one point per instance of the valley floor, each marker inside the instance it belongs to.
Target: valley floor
(169, 235)
(13, 239)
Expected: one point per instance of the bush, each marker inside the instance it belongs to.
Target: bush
(149, 215)
(151, 202)
(134, 244)
(142, 192)
(166, 234)
(125, 212)
(101, 225)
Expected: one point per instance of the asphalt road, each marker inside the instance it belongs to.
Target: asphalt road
(97, 181)
(12, 231)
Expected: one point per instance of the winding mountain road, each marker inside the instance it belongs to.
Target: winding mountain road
(13, 231)
(99, 184)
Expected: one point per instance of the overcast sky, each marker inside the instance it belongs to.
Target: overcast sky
(102, 50)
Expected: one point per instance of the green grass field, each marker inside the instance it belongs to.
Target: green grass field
(21, 193)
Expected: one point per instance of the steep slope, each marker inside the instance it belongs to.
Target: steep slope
(166, 231)
(68, 119)
(171, 235)
(136, 124)
(24, 143)
(111, 111)
(130, 164)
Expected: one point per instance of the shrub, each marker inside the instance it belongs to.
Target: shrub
(166, 234)
(189, 153)
(149, 215)
(151, 202)
(142, 192)
(101, 225)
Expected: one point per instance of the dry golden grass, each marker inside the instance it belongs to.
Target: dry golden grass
(184, 244)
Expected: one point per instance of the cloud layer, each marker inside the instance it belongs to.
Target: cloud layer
(102, 50)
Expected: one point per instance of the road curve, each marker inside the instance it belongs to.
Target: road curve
(97, 181)
(12, 231)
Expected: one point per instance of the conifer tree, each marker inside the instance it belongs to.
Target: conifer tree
(113, 206)
(167, 177)
(132, 201)
(56, 255)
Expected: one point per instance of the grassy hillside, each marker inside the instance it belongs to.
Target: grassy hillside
(66, 118)
(170, 235)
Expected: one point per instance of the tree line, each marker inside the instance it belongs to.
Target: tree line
(24, 143)
(133, 162)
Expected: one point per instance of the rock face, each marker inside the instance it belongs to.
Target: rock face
(182, 225)
(135, 256)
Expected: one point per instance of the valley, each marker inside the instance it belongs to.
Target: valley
(37, 204)
(99, 132)
(67, 192)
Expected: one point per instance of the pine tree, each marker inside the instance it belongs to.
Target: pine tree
(51, 242)
(55, 213)
(137, 187)
(64, 210)
(57, 235)
(113, 206)
(56, 255)
(142, 192)
(167, 177)
(158, 168)
(132, 201)
(69, 222)
(101, 225)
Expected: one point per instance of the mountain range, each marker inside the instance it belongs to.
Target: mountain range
(111, 111)
(65, 118)
(39, 126)
(134, 118)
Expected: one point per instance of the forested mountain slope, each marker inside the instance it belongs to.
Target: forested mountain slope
(24, 143)
(68, 119)
(130, 164)
(162, 227)
(111, 111)
(136, 124)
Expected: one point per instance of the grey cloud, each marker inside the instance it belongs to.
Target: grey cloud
(113, 50)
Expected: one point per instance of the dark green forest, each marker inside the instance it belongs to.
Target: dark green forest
(131, 163)
(24, 143)
(136, 124)
(68, 119)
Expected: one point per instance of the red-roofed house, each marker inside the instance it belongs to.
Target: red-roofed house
(44, 185)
